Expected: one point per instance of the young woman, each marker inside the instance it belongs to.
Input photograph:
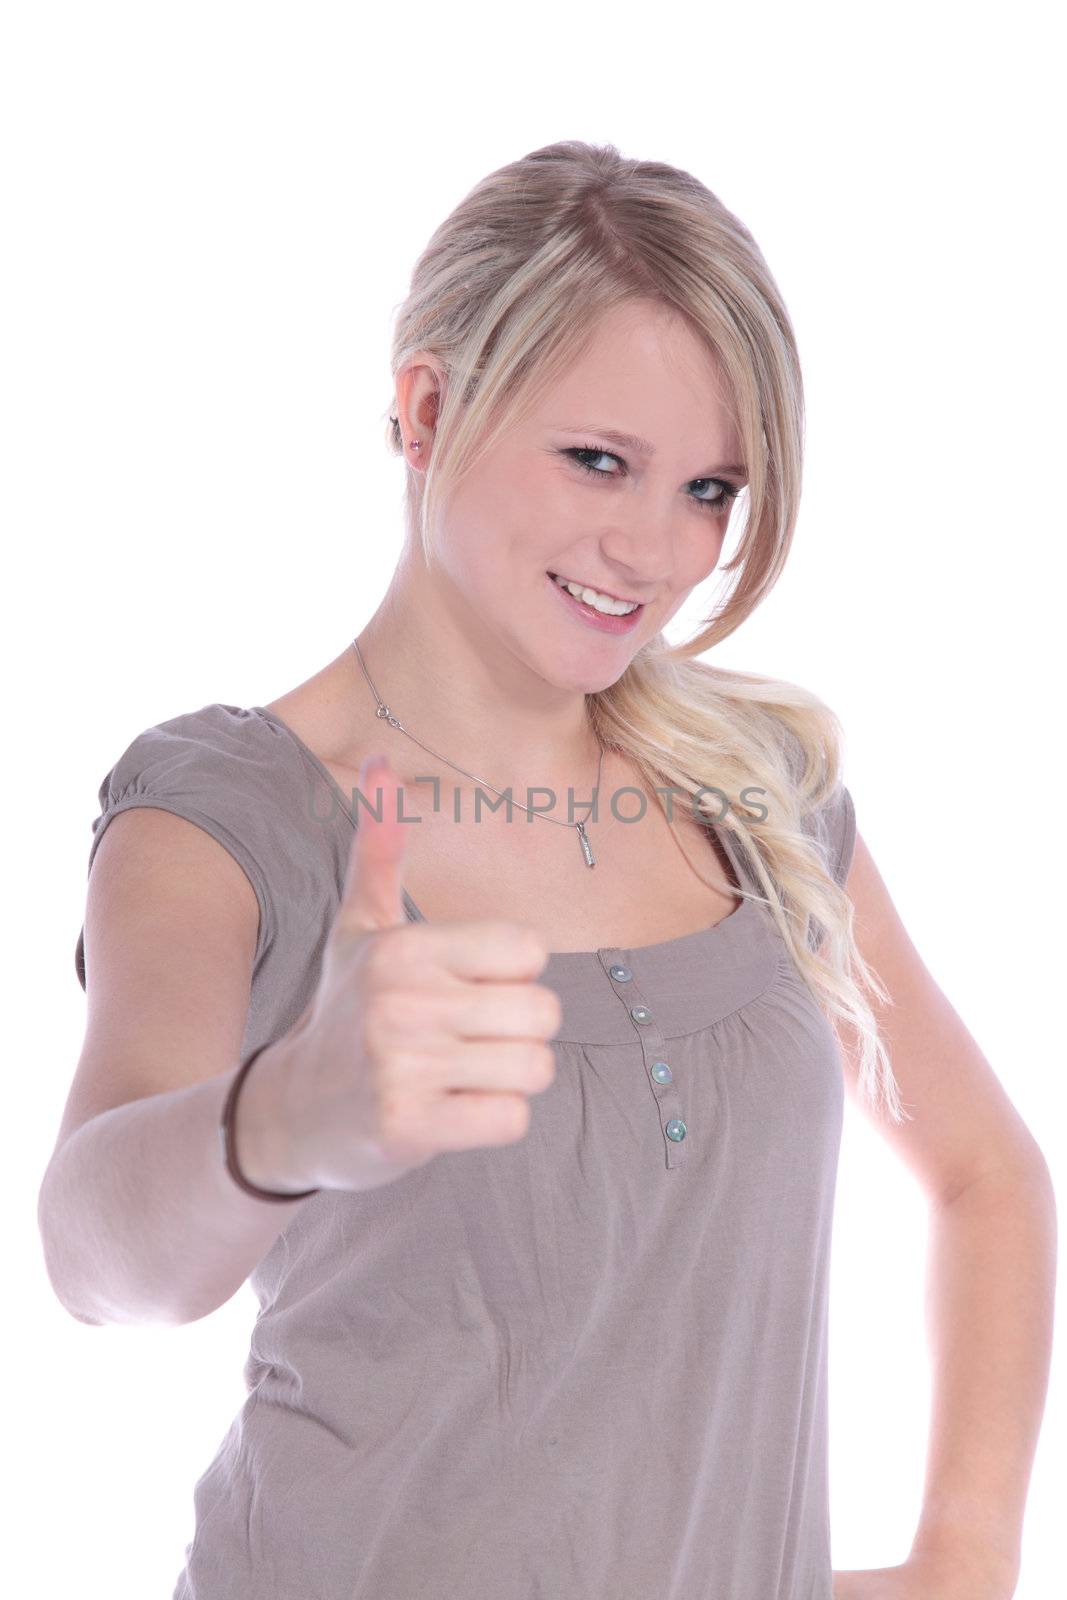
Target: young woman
(523, 1114)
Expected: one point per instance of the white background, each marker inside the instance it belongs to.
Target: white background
(210, 212)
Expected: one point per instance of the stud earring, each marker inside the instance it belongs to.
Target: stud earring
(415, 445)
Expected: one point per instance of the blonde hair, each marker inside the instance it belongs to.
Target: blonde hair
(505, 297)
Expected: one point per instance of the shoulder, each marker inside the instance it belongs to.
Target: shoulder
(218, 741)
(228, 760)
(228, 768)
(236, 775)
(240, 774)
(824, 802)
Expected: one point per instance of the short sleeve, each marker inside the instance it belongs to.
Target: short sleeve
(202, 767)
(835, 828)
(833, 825)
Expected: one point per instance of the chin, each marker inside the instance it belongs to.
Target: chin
(575, 676)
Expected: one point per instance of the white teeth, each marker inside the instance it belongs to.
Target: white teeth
(599, 602)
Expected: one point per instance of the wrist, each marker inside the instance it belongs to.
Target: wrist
(262, 1124)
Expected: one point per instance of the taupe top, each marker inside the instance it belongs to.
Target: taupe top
(590, 1365)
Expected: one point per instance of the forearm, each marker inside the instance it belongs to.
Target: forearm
(989, 1304)
(140, 1220)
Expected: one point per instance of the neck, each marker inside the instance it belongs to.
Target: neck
(460, 690)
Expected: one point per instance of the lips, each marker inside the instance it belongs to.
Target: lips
(627, 599)
(609, 622)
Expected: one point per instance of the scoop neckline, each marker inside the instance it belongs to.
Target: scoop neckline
(661, 950)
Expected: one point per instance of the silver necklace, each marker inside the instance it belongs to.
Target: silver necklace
(384, 712)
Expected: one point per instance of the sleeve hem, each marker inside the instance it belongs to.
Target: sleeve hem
(848, 838)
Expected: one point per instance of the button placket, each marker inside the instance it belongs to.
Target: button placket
(660, 1076)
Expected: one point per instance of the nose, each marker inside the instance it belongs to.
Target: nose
(639, 566)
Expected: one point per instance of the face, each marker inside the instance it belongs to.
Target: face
(558, 495)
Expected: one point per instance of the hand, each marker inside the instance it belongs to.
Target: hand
(420, 1038)
(929, 1576)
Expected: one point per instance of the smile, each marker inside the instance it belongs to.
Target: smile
(611, 605)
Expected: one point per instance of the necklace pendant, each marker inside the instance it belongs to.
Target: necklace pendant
(587, 849)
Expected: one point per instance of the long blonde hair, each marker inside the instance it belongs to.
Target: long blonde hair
(505, 296)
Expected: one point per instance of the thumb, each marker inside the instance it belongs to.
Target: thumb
(372, 895)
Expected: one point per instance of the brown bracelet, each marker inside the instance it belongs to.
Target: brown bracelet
(228, 1141)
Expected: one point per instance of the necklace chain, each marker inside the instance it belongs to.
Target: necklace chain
(386, 715)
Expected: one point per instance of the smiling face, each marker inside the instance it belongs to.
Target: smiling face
(557, 494)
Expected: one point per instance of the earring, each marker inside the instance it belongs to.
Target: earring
(415, 445)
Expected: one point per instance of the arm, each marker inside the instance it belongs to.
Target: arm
(139, 1219)
(991, 1267)
(141, 1223)
(990, 1290)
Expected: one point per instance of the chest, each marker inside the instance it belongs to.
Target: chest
(655, 878)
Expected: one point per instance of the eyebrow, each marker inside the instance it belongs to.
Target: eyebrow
(633, 441)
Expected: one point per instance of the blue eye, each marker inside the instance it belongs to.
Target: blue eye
(727, 492)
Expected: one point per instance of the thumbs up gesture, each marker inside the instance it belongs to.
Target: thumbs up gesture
(420, 1037)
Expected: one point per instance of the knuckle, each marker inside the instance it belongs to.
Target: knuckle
(520, 942)
(386, 1014)
(534, 947)
(395, 1113)
(391, 1105)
